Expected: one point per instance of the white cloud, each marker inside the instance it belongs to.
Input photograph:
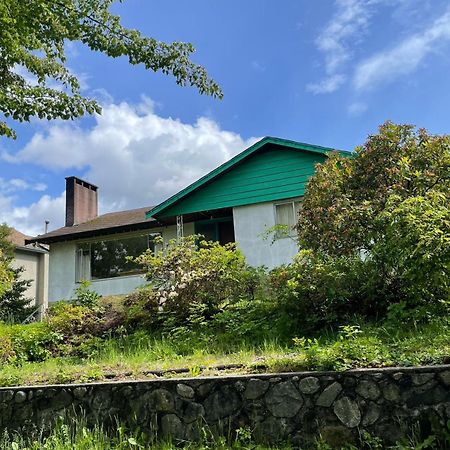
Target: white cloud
(327, 85)
(404, 58)
(30, 219)
(19, 184)
(136, 157)
(349, 23)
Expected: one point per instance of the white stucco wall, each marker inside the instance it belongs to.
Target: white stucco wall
(35, 265)
(250, 223)
(61, 271)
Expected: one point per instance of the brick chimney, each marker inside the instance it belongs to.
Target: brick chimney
(81, 201)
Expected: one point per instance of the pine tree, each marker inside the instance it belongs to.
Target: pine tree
(14, 306)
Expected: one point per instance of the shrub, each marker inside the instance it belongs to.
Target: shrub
(7, 353)
(71, 319)
(194, 279)
(8, 276)
(389, 207)
(34, 342)
(141, 307)
(316, 291)
(85, 296)
(82, 327)
(248, 321)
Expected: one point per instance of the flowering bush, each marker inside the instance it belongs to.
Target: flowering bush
(193, 277)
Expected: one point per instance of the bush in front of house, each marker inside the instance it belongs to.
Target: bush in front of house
(375, 229)
(190, 281)
(70, 329)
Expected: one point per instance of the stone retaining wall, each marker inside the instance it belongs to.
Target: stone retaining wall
(295, 406)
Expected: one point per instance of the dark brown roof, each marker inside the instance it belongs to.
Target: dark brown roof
(115, 222)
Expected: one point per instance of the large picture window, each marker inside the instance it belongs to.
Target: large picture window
(109, 258)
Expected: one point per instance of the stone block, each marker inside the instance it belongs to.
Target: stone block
(221, 403)
(183, 390)
(161, 400)
(255, 388)
(309, 385)
(347, 411)
(172, 427)
(284, 400)
(20, 397)
(421, 378)
(329, 394)
(368, 389)
(444, 377)
(371, 415)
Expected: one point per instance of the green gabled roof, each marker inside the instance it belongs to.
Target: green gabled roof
(315, 149)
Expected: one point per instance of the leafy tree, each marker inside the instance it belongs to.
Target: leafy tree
(33, 35)
(5, 274)
(389, 207)
(6, 245)
(345, 208)
(6, 254)
(13, 304)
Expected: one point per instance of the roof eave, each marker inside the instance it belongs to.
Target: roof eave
(24, 248)
(93, 233)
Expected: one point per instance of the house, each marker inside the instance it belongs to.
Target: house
(237, 202)
(34, 259)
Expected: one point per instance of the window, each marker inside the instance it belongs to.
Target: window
(286, 214)
(109, 258)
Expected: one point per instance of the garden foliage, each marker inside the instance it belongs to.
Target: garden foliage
(376, 227)
(6, 275)
(191, 280)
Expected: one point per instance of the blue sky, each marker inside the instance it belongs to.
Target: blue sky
(326, 72)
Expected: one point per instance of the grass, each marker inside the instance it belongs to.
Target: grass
(77, 436)
(141, 356)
